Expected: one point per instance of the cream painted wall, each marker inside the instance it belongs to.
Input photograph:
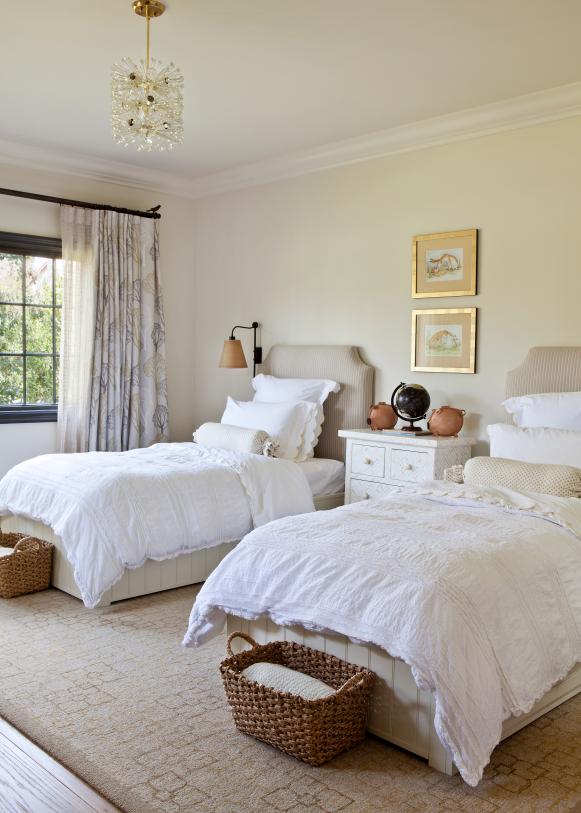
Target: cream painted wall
(326, 258)
(20, 441)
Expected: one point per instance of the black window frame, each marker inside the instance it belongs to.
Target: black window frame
(30, 246)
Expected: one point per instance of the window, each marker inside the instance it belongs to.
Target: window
(30, 319)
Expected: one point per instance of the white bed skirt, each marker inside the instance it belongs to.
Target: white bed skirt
(152, 577)
(399, 712)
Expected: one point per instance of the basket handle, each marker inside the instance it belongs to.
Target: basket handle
(352, 681)
(238, 634)
(24, 539)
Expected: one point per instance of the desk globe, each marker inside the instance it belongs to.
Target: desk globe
(410, 402)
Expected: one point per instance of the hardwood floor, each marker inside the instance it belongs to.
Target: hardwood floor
(33, 782)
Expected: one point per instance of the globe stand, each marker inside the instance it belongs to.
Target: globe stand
(411, 427)
(416, 410)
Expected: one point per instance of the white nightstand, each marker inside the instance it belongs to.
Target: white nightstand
(378, 462)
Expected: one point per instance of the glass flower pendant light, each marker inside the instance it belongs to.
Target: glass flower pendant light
(146, 96)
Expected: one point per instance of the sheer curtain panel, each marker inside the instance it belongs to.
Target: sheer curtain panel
(113, 391)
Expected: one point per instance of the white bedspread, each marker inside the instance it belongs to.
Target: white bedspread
(478, 590)
(114, 510)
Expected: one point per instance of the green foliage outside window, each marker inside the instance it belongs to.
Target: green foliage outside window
(30, 317)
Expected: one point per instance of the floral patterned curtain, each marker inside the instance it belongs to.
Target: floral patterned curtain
(113, 390)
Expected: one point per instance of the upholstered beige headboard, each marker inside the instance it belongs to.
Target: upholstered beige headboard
(346, 409)
(546, 369)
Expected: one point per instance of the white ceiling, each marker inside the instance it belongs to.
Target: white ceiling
(268, 78)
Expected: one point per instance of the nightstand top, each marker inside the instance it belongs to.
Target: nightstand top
(399, 438)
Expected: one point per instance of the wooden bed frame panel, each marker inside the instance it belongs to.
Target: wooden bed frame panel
(399, 712)
(151, 577)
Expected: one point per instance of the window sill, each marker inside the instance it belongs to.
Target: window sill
(28, 414)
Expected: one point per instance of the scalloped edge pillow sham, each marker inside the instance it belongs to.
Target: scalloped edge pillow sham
(286, 422)
(272, 389)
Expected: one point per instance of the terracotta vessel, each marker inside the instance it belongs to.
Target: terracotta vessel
(381, 416)
(446, 421)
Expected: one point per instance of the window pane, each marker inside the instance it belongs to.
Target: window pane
(11, 329)
(39, 280)
(39, 380)
(57, 328)
(11, 266)
(11, 381)
(38, 330)
(58, 281)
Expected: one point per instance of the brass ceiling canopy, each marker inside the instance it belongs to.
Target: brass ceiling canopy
(148, 8)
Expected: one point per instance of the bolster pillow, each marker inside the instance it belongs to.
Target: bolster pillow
(235, 439)
(541, 478)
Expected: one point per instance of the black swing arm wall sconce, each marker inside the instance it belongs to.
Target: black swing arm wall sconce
(233, 354)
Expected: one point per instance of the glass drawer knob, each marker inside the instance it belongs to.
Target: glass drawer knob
(365, 495)
(368, 461)
(408, 466)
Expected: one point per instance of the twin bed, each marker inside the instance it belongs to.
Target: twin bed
(168, 568)
(465, 601)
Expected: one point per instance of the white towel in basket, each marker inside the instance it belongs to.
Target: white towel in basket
(283, 679)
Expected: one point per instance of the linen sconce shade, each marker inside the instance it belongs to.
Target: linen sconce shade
(233, 355)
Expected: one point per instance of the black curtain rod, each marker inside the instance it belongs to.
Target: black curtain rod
(15, 193)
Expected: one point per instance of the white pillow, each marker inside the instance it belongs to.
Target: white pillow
(535, 444)
(286, 423)
(559, 410)
(317, 390)
(271, 388)
(233, 438)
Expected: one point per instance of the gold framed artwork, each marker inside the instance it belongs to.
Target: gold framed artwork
(444, 340)
(444, 264)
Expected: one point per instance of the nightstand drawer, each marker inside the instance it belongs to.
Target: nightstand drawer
(410, 466)
(378, 464)
(368, 460)
(368, 490)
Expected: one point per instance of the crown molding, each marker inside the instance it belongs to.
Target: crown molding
(52, 159)
(521, 111)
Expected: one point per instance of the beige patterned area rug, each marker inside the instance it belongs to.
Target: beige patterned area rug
(112, 695)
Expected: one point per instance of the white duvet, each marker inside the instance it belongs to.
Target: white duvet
(478, 590)
(114, 510)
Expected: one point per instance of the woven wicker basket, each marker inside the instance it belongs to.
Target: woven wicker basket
(28, 568)
(314, 731)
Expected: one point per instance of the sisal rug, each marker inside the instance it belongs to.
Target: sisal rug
(111, 694)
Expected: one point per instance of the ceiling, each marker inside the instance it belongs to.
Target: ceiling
(269, 78)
